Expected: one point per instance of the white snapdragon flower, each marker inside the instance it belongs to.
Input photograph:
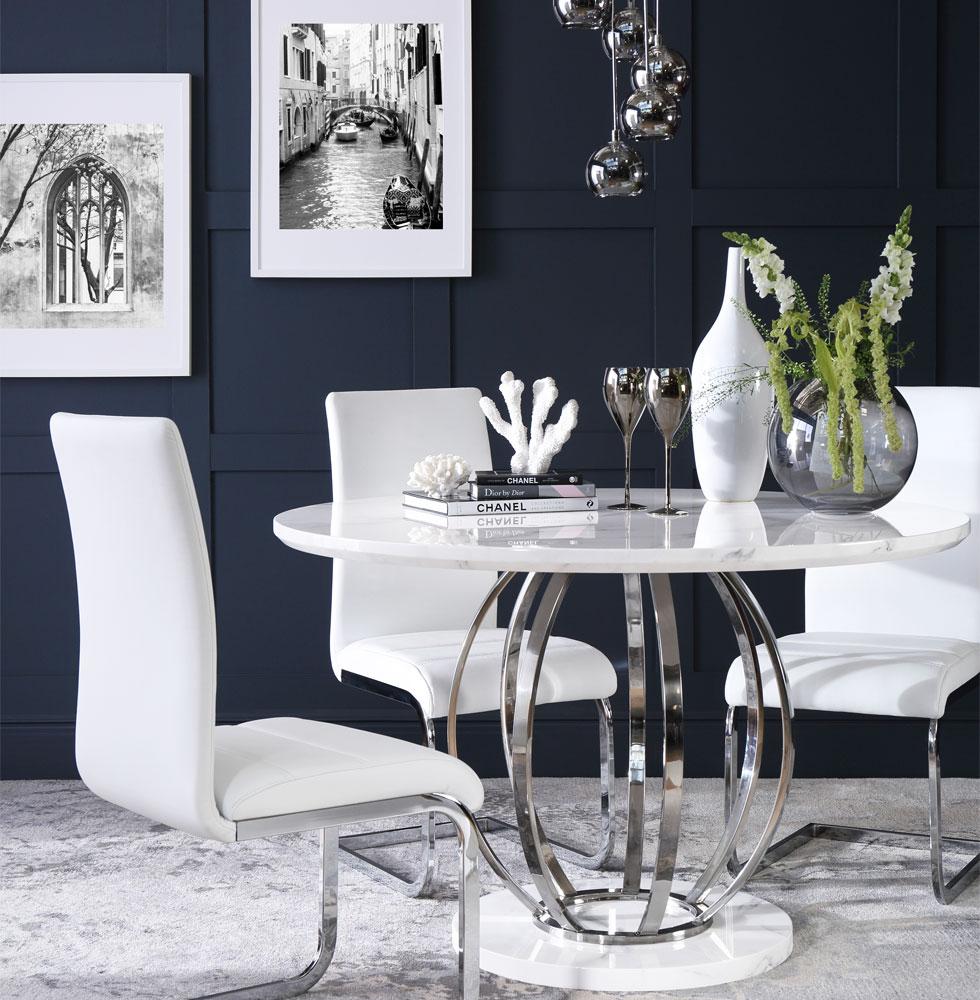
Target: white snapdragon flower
(785, 293)
(766, 268)
(893, 283)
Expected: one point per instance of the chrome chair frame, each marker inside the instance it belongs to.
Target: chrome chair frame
(944, 891)
(326, 821)
(430, 830)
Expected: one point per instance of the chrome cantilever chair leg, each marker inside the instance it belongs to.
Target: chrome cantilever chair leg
(431, 829)
(327, 935)
(426, 833)
(607, 826)
(944, 891)
(467, 939)
(580, 856)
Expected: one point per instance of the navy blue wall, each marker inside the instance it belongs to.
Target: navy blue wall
(814, 125)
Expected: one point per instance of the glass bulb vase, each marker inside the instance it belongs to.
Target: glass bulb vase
(801, 459)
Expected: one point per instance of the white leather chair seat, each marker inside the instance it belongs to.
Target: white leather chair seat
(275, 766)
(423, 663)
(866, 673)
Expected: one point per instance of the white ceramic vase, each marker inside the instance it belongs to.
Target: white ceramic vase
(730, 428)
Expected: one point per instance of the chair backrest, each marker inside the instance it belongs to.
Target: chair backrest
(147, 661)
(375, 439)
(936, 595)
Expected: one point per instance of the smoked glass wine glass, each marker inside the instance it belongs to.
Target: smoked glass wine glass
(624, 395)
(668, 396)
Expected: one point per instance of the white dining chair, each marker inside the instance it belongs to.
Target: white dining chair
(146, 737)
(892, 638)
(397, 631)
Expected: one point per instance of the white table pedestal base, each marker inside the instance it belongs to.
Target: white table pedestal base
(749, 936)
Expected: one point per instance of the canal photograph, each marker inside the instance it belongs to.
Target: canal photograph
(361, 127)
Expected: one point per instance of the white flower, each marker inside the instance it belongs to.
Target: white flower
(766, 268)
(785, 293)
(893, 283)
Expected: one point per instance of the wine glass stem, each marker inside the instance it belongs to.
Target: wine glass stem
(667, 450)
(628, 445)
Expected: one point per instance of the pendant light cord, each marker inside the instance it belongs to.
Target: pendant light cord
(646, 36)
(615, 102)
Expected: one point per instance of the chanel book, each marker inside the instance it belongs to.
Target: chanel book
(527, 479)
(461, 504)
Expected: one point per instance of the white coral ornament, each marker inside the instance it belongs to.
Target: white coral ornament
(439, 475)
(532, 454)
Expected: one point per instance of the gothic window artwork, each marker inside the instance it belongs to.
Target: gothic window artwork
(89, 234)
(95, 225)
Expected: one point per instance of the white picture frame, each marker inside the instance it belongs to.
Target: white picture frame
(361, 252)
(138, 128)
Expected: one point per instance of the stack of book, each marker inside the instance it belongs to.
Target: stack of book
(495, 500)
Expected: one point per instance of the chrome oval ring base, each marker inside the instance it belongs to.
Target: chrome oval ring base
(611, 904)
(630, 937)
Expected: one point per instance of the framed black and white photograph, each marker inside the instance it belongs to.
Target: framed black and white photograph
(361, 139)
(94, 225)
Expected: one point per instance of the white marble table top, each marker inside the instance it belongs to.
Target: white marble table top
(772, 533)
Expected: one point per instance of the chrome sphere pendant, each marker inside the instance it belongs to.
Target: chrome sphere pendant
(590, 14)
(625, 34)
(616, 170)
(650, 113)
(668, 70)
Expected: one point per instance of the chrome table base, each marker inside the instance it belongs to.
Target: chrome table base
(665, 914)
(932, 840)
(582, 901)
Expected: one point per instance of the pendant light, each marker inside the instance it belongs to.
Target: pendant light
(616, 170)
(662, 66)
(590, 14)
(651, 112)
(630, 34)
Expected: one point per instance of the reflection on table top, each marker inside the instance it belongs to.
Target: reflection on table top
(771, 533)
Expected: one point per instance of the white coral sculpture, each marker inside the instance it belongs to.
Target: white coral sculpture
(532, 455)
(439, 475)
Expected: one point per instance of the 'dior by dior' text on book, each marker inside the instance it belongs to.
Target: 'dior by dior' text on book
(479, 491)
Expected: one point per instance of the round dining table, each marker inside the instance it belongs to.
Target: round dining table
(631, 931)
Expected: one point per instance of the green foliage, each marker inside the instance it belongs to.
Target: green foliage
(801, 303)
(823, 301)
(851, 349)
(824, 364)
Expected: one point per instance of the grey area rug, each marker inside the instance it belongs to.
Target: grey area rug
(98, 902)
